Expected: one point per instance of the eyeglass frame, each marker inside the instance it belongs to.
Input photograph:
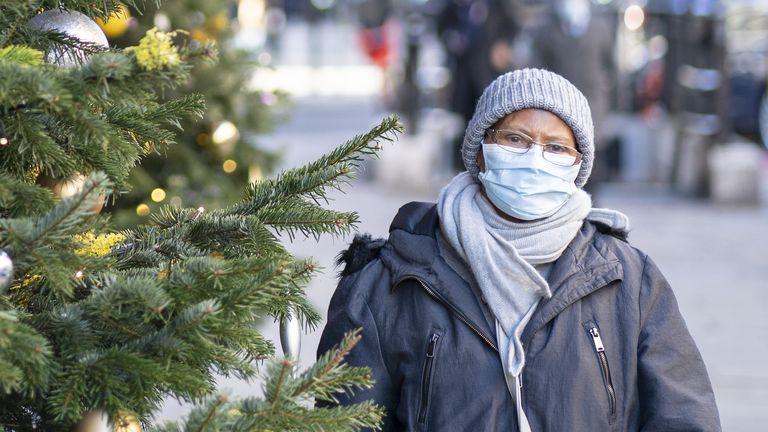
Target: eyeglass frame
(491, 132)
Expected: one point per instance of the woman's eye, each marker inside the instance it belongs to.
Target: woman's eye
(514, 139)
(557, 148)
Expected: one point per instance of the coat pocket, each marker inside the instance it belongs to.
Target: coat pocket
(426, 377)
(602, 358)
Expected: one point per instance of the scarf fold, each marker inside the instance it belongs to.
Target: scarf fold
(501, 255)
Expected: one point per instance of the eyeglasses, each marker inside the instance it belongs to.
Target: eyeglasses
(515, 141)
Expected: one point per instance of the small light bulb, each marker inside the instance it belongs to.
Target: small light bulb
(197, 214)
(79, 274)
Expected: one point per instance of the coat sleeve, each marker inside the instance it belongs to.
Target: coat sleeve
(348, 311)
(674, 388)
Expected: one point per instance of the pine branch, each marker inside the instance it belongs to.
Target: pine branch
(20, 199)
(25, 357)
(294, 214)
(213, 410)
(279, 411)
(328, 375)
(329, 171)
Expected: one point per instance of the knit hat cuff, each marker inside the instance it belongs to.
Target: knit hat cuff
(532, 88)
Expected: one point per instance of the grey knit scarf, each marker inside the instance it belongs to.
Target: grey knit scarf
(501, 255)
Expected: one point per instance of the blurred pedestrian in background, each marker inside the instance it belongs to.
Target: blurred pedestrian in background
(476, 35)
(377, 40)
(512, 304)
(579, 45)
(375, 35)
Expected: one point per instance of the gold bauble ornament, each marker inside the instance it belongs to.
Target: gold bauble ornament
(69, 187)
(117, 23)
(96, 421)
(127, 423)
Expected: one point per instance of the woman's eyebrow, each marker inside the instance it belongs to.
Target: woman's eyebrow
(559, 138)
(516, 128)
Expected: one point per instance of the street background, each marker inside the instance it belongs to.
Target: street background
(712, 249)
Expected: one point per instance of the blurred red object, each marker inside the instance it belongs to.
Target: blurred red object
(377, 45)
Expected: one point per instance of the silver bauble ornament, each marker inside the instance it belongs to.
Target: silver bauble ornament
(74, 24)
(6, 271)
(290, 336)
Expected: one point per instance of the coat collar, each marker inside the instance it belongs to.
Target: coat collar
(586, 265)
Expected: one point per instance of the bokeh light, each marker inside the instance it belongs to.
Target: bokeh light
(225, 132)
(229, 166)
(157, 195)
(634, 17)
(142, 209)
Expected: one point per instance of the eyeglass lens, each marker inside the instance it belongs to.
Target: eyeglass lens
(518, 142)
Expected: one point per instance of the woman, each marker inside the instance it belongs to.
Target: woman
(512, 304)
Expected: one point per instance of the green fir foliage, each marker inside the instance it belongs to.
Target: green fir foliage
(286, 405)
(191, 173)
(170, 305)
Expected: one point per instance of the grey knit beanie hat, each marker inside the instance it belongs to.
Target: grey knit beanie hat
(531, 88)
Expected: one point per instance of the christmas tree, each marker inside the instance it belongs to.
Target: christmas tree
(98, 321)
(219, 152)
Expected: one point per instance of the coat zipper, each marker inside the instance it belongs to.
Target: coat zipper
(426, 379)
(597, 341)
(454, 309)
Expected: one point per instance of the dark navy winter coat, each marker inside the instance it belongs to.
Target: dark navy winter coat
(608, 351)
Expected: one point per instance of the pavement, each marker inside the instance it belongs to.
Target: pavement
(715, 257)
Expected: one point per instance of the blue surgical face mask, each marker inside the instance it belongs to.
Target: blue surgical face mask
(526, 186)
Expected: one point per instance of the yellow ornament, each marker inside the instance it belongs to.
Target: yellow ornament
(156, 50)
(117, 23)
(93, 245)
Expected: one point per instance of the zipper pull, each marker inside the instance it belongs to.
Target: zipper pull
(432, 345)
(596, 339)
